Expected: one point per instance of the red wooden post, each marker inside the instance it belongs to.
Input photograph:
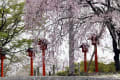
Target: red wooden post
(31, 66)
(85, 62)
(96, 59)
(43, 47)
(2, 62)
(43, 61)
(31, 55)
(94, 42)
(85, 50)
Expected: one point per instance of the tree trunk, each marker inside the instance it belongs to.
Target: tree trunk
(71, 50)
(116, 57)
(111, 29)
(71, 44)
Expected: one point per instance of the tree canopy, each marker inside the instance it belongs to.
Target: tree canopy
(77, 20)
(11, 26)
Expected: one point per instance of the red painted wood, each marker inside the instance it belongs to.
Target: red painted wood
(43, 61)
(94, 42)
(96, 59)
(31, 66)
(31, 55)
(2, 62)
(85, 62)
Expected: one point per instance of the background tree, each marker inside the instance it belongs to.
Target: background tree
(11, 26)
(75, 20)
(108, 15)
(63, 22)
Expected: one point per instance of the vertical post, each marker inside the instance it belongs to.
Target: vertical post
(31, 54)
(2, 60)
(49, 73)
(85, 62)
(31, 66)
(96, 59)
(43, 46)
(53, 69)
(94, 43)
(79, 68)
(85, 50)
(38, 71)
(43, 61)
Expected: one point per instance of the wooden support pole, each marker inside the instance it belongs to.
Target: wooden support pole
(95, 42)
(85, 62)
(85, 50)
(2, 63)
(31, 54)
(31, 63)
(53, 69)
(96, 58)
(43, 61)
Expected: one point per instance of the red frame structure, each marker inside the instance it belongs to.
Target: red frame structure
(85, 50)
(43, 46)
(31, 54)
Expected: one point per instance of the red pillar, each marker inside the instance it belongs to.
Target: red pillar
(43, 61)
(31, 70)
(96, 59)
(2, 60)
(85, 62)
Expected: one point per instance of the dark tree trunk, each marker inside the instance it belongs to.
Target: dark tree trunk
(115, 49)
(112, 31)
(116, 57)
